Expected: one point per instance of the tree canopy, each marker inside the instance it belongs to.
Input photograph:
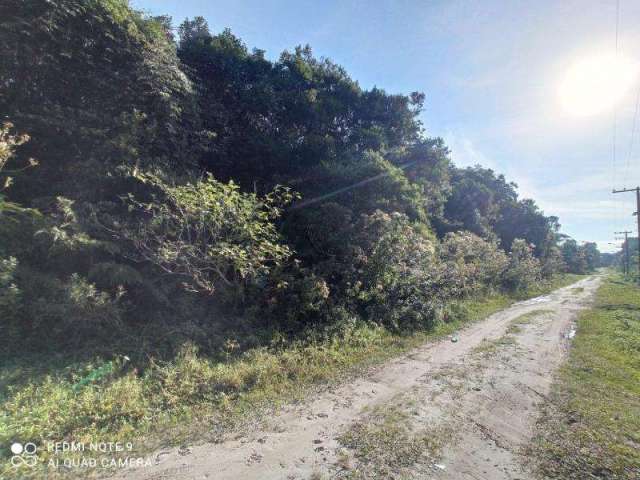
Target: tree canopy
(165, 178)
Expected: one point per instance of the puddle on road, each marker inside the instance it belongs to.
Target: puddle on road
(535, 301)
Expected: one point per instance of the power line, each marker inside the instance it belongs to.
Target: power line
(637, 214)
(615, 108)
(615, 121)
(626, 266)
(633, 132)
(617, 22)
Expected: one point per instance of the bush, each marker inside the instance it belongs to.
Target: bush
(294, 299)
(478, 264)
(9, 291)
(396, 279)
(553, 263)
(71, 312)
(523, 270)
(8, 143)
(209, 234)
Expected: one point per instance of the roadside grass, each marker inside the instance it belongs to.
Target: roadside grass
(556, 282)
(590, 428)
(192, 397)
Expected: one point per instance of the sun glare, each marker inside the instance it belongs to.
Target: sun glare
(596, 83)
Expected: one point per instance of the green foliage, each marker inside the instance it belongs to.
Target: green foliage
(396, 272)
(478, 264)
(277, 120)
(376, 191)
(9, 291)
(95, 85)
(583, 258)
(591, 256)
(476, 200)
(117, 97)
(210, 233)
(8, 143)
(73, 310)
(553, 262)
(369, 183)
(523, 269)
(487, 205)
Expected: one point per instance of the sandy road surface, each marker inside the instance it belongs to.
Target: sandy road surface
(483, 389)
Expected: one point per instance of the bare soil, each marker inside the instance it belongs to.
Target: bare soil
(470, 403)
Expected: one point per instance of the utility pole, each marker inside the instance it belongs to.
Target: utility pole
(626, 250)
(637, 190)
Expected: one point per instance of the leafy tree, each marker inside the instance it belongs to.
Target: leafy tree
(525, 220)
(574, 256)
(95, 85)
(591, 256)
(8, 143)
(487, 205)
(477, 199)
(398, 282)
(191, 31)
(553, 262)
(276, 120)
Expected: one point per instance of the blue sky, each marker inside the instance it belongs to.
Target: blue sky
(491, 72)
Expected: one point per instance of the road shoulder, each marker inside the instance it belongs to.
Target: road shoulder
(590, 424)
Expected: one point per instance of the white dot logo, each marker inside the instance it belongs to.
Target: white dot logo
(24, 454)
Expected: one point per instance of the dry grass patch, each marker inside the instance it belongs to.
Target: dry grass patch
(391, 442)
(488, 347)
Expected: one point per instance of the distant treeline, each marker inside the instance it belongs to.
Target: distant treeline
(173, 188)
(619, 259)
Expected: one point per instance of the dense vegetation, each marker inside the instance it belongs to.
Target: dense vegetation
(172, 178)
(591, 424)
(161, 192)
(620, 261)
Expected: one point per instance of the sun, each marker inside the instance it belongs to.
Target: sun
(596, 83)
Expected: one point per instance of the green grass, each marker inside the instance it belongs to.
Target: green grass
(191, 397)
(591, 426)
(558, 281)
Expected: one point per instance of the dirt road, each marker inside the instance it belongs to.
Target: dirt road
(448, 410)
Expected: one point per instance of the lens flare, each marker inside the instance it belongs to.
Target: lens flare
(596, 83)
